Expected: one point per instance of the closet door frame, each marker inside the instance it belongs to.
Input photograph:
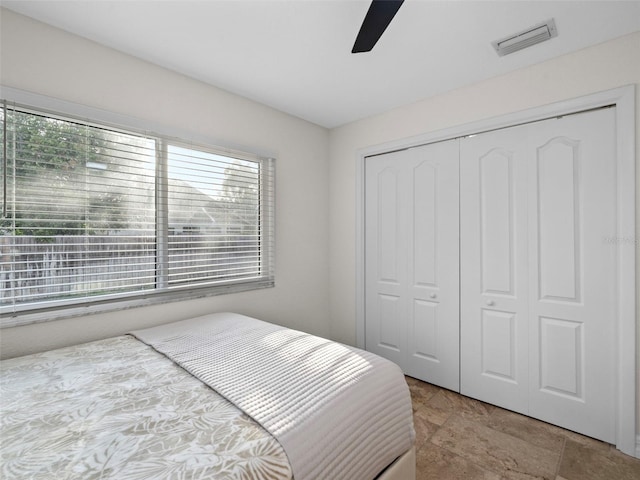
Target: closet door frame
(623, 98)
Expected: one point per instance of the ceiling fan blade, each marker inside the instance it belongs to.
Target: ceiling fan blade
(378, 18)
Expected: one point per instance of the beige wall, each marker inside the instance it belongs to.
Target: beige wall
(609, 65)
(44, 60)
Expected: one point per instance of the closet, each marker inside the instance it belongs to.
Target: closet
(412, 260)
(490, 270)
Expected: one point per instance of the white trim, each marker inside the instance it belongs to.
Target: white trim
(360, 253)
(624, 99)
(627, 307)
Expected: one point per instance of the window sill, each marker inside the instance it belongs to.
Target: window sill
(11, 318)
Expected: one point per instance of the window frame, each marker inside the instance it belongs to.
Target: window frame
(164, 136)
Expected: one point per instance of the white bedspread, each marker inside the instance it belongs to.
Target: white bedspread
(339, 412)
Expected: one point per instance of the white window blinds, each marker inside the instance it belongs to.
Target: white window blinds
(92, 213)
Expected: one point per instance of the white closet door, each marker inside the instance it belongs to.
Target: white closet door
(386, 239)
(572, 285)
(538, 287)
(433, 259)
(412, 297)
(493, 268)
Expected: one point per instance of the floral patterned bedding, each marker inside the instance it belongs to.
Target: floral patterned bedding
(117, 409)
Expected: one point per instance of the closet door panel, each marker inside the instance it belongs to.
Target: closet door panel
(425, 227)
(411, 242)
(387, 335)
(496, 221)
(424, 342)
(388, 220)
(573, 288)
(386, 243)
(493, 320)
(433, 336)
(498, 332)
(558, 219)
(561, 357)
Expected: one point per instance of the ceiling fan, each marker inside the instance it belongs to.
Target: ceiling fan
(378, 18)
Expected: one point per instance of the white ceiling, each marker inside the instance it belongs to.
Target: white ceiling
(295, 55)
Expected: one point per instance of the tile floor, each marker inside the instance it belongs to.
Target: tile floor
(458, 438)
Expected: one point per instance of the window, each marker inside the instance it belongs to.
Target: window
(94, 214)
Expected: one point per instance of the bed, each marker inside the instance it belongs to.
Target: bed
(213, 397)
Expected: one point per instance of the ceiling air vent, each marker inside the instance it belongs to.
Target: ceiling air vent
(530, 36)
